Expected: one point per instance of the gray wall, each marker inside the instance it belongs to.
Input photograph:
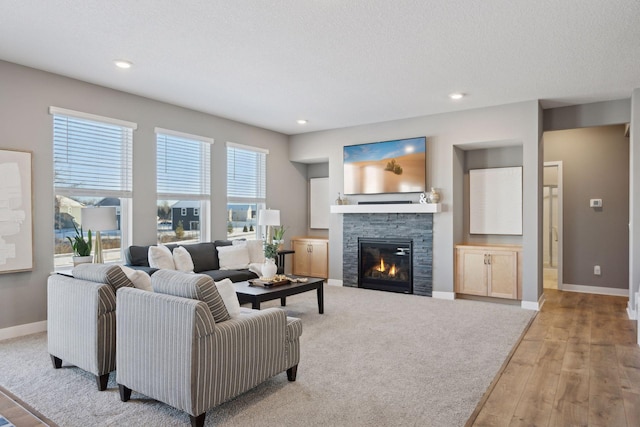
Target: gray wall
(595, 164)
(25, 97)
(448, 135)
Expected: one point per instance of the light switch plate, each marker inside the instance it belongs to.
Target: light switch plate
(595, 203)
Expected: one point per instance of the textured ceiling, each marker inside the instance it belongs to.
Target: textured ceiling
(336, 63)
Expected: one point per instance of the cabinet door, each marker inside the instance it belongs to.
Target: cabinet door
(503, 274)
(300, 258)
(319, 260)
(472, 272)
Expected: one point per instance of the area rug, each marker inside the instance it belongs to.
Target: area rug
(372, 359)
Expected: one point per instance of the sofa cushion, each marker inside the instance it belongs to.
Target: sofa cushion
(139, 278)
(255, 247)
(182, 260)
(233, 275)
(160, 257)
(138, 255)
(194, 286)
(203, 255)
(233, 257)
(228, 293)
(102, 273)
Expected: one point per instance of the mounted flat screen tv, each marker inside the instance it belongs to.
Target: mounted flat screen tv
(398, 166)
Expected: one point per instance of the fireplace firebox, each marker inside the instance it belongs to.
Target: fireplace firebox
(385, 264)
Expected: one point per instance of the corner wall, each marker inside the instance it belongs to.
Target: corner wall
(25, 124)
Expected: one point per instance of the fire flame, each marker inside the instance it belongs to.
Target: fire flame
(381, 268)
(393, 271)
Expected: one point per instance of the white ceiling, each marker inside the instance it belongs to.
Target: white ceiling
(336, 63)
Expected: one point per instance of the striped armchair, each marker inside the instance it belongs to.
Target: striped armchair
(178, 349)
(81, 318)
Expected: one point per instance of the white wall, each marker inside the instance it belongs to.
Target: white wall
(514, 124)
(25, 96)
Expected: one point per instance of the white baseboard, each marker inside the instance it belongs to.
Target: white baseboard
(443, 295)
(618, 292)
(21, 330)
(633, 314)
(530, 305)
(334, 282)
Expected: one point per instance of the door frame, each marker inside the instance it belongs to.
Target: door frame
(558, 164)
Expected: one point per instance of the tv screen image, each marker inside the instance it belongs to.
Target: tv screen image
(397, 166)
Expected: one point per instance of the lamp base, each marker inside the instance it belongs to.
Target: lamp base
(98, 250)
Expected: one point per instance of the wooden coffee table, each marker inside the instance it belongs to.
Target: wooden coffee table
(257, 294)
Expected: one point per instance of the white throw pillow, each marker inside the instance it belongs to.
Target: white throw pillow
(233, 257)
(228, 293)
(182, 260)
(255, 247)
(256, 251)
(160, 257)
(256, 267)
(140, 279)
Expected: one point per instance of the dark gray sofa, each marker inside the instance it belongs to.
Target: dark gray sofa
(204, 256)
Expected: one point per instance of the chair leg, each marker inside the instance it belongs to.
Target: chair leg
(125, 393)
(197, 421)
(102, 381)
(57, 363)
(291, 373)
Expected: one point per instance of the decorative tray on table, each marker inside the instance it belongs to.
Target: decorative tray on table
(277, 280)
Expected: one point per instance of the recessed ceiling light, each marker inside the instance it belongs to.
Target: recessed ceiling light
(302, 121)
(121, 63)
(456, 95)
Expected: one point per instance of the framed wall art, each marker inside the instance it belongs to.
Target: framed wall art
(16, 214)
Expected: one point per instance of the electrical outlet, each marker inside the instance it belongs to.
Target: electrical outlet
(596, 270)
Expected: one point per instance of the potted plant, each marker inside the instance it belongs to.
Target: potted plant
(81, 247)
(278, 235)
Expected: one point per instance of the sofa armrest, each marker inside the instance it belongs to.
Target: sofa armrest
(81, 323)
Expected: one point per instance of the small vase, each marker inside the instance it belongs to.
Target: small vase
(269, 268)
(433, 196)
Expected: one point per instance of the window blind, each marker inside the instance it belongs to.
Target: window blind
(91, 157)
(246, 175)
(183, 168)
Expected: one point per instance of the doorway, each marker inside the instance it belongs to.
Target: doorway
(552, 225)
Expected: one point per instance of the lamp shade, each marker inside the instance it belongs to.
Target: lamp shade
(269, 217)
(99, 218)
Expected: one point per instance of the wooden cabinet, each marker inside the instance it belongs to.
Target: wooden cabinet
(489, 270)
(311, 257)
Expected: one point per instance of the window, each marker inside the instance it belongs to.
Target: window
(184, 186)
(92, 167)
(246, 189)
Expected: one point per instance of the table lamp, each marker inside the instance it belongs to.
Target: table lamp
(269, 218)
(99, 219)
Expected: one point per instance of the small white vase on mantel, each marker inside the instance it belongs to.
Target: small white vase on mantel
(269, 269)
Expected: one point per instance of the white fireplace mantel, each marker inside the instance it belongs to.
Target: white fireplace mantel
(387, 208)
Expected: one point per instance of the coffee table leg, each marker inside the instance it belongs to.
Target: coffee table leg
(321, 298)
(255, 305)
(283, 301)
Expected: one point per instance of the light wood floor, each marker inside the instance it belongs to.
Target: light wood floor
(12, 409)
(577, 365)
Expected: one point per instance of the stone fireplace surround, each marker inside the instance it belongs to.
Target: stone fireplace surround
(416, 226)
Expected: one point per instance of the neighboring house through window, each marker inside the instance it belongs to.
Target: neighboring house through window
(183, 185)
(92, 167)
(246, 189)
